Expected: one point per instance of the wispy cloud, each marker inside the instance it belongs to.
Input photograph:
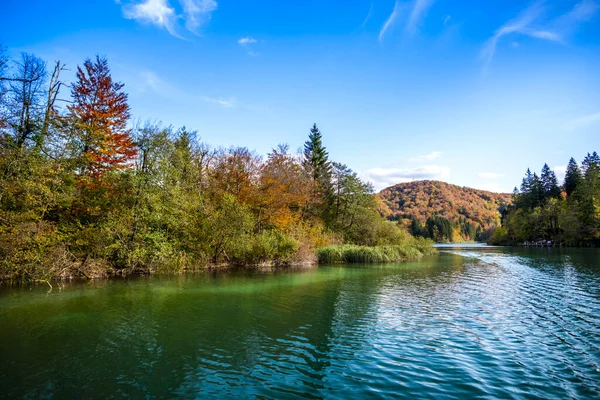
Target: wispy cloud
(582, 12)
(384, 177)
(367, 17)
(197, 13)
(419, 11)
(522, 24)
(530, 22)
(150, 81)
(390, 21)
(490, 175)
(163, 14)
(426, 157)
(582, 122)
(246, 43)
(156, 12)
(228, 103)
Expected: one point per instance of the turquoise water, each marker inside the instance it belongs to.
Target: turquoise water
(467, 322)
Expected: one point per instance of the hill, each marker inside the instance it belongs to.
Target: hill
(442, 211)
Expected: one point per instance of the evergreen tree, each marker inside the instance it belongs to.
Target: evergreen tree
(526, 183)
(573, 177)
(591, 165)
(537, 191)
(550, 183)
(316, 158)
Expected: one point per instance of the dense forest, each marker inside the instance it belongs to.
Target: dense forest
(442, 211)
(85, 192)
(542, 210)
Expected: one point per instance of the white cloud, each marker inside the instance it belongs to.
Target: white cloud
(384, 177)
(246, 40)
(581, 12)
(163, 14)
(560, 172)
(390, 21)
(246, 43)
(582, 122)
(522, 25)
(197, 12)
(490, 175)
(418, 13)
(529, 22)
(427, 157)
(156, 12)
(447, 19)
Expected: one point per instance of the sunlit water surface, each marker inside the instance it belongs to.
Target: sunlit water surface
(467, 322)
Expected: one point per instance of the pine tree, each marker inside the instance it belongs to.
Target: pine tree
(99, 114)
(524, 199)
(537, 191)
(316, 157)
(591, 165)
(588, 194)
(573, 177)
(549, 183)
(526, 183)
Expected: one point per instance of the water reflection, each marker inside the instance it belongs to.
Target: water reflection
(495, 322)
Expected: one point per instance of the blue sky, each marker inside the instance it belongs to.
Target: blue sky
(469, 92)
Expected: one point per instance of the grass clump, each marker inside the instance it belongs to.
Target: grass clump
(349, 253)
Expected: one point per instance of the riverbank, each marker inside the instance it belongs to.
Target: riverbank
(91, 269)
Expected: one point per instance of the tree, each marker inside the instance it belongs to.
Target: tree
(99, 116)
(591, 165)
(350, 197)
(316, 159)
(3, 71)
(26, 91)
(282, 190)
(549, 183)
(573, 177)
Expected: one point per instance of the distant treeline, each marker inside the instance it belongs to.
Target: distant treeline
(443, 230)
(83, 193)
(542, 210)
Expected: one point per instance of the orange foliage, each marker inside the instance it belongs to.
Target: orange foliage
(99, 114)
(421, 199)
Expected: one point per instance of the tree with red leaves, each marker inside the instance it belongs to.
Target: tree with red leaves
(99, 114)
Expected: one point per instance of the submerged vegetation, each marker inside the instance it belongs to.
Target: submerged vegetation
(544, 211)
(83, 193)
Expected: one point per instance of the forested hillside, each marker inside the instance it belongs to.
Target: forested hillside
(442, 211)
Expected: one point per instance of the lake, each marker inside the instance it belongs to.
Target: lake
(470, 321)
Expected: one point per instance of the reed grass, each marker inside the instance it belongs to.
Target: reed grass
(348, 253)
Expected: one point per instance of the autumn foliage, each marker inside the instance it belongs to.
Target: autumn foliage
(98, 196)
(462, 212)
(99, 116)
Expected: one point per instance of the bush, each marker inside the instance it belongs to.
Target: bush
(266, 246)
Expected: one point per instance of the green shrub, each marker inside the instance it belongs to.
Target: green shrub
(266, 246)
